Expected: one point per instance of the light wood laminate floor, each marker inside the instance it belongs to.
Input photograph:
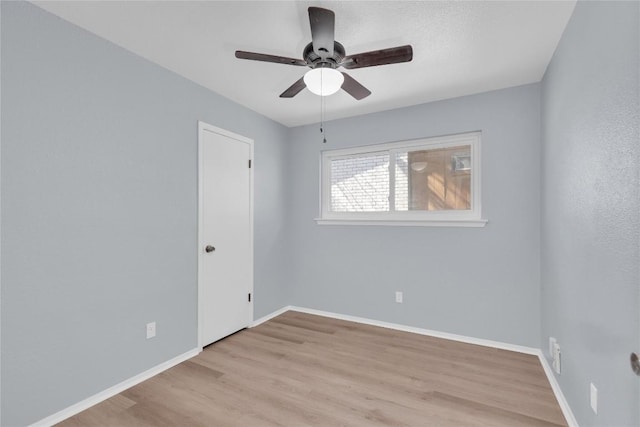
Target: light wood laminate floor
(303, 370)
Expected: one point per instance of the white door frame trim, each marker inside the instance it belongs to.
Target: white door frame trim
(205, 127)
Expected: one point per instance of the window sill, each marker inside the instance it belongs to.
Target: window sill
(405, 222)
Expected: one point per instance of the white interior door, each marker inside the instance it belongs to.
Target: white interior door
(226, 251)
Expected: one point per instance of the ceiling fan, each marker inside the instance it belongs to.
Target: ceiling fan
(324, 56)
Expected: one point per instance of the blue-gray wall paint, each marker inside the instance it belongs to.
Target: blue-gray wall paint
(590, 209)
(99, 211)
(98, 179)
(0, 217)
(479, 282)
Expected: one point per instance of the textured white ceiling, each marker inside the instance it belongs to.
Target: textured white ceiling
(459, 48)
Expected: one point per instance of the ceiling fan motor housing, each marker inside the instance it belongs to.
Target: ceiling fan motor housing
(314, 60)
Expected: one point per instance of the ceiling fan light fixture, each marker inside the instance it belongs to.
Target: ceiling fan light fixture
(323, 81)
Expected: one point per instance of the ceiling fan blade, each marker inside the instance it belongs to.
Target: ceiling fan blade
(322, 22)
(353, 88)
(294, 89)
(241, 54)
(393, 55)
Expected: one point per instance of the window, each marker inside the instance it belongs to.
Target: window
(433, 181)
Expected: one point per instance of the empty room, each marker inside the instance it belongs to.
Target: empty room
(325, 213)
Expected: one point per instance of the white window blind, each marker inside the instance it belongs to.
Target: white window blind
(360, 184)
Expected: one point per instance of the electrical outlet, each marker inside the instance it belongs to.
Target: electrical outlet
(557, 358)
(552, 343)
(399, 297)
(594, 399)
(151, 330)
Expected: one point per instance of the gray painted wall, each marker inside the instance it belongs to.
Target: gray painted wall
(479, 282)
(590, 205)
(0, 217)
(99, 209)
(98, 179)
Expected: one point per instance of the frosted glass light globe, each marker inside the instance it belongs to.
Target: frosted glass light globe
(323, 81)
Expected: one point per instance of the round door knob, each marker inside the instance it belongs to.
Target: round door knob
(209, 248)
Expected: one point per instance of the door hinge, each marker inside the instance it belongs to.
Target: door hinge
(249, 163)
(249, 296)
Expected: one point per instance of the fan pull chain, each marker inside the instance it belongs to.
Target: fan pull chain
(322, 104)
(322, 117)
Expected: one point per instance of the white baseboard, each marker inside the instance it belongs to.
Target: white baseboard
(112, 391)
(118, 388)
(270, 316)
(555, 386)
(421, 331)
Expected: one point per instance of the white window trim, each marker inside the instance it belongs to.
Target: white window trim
(453, 218)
